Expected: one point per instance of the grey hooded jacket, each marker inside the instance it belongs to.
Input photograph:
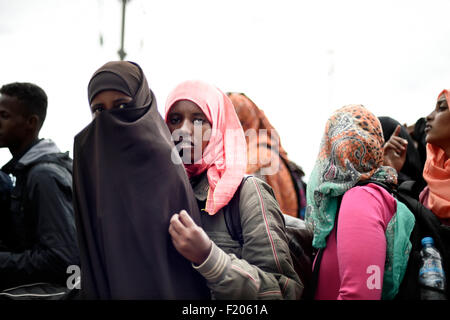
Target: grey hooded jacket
(38, 232)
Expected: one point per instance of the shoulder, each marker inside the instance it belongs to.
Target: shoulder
(370, 192)
(256, 189)
(257, 197)
(47, 172)
(255, 183)
(372, 198)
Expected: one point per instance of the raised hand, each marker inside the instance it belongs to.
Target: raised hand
(395, 150)
(190, 240)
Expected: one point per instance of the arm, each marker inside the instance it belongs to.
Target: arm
(50, 195)
(361, 245)
(265, 270)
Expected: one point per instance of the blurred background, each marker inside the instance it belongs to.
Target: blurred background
(297, 60)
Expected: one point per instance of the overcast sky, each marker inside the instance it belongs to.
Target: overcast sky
(298, 60)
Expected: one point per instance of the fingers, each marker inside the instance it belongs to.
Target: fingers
(397, 130)
(189, 240)
(174, 235)
(395, 150)
(176, 231)
(180, 222)
(403, 153)
(186, 219)
(176, 227)
(398, 143)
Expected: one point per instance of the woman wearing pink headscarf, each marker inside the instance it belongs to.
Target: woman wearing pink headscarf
(436, 196)
(211, 142)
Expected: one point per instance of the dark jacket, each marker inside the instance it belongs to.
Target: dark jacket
(39, 229)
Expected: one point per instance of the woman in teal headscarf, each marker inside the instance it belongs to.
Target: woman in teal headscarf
(359, 258)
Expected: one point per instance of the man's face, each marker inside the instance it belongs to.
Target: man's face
(13, 122)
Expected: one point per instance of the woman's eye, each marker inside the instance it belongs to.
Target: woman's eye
(97, 110)
(443, 106)
(124, 105)
(198, 121)
(174, 120)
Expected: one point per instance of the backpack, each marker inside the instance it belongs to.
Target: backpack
(298, 235)
(297, 174)
(426, 225)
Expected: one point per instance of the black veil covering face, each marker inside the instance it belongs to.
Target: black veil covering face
(126, 188)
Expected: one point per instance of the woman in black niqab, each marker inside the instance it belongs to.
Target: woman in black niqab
(126, 188)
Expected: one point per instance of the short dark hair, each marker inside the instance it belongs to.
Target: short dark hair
(32, 97)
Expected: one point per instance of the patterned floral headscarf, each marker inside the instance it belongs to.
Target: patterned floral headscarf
(351, 150)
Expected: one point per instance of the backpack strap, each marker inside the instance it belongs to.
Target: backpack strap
(232, 215)
(294, 181)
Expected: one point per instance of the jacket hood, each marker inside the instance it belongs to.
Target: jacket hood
(42, 148)
(43, 151)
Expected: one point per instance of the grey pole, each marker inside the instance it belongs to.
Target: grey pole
(121, 51)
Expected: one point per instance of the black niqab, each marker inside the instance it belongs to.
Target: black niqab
(126, 188)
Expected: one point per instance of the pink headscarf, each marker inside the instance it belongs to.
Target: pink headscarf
(225, 156)
(437, 175)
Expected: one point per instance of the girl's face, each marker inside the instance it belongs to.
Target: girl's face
(437, 126)
(190, 130)
(109, 99)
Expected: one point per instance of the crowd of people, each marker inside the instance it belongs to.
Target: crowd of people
(146, 208)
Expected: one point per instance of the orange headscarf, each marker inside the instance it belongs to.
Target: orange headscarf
(437, 175)
(264, 150)
(224, 157)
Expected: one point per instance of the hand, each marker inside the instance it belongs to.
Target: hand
(395, 150)
(190, 240)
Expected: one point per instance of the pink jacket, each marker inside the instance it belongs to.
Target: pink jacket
(353, 268)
